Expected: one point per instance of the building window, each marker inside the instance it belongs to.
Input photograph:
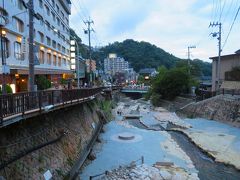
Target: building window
(64, 61)
(19, 25)
(63, 27)
(63, 49)
(48, 25)
(58, 21)
(67, 20)
(49, 58)
(6, 52)
(62, 14)
(54, 16)
(63, 37)
(57, 8)
(41, 57)
(48, 41)
(59, 47)
(40, 3)
(17, 51)
(59, 61)
(41, 37)
(54, 60)
(47, 10)
(54, 44)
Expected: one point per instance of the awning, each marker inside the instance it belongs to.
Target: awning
(231, 85)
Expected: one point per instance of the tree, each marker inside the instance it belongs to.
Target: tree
(170, 83)
(42, 82)
(8, 89)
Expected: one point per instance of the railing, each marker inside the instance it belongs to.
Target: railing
(20, 103)
(132, 88)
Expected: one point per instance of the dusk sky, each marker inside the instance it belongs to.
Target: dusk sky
(172, 25)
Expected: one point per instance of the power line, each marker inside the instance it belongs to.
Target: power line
(230, 30)
(222, 9)
(228, 11)
(84, 9)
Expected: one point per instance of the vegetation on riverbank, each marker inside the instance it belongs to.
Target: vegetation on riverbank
(170, 83)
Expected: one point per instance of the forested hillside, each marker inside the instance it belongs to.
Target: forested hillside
(144, 55)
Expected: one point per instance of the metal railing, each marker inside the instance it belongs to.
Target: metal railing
(20, 103)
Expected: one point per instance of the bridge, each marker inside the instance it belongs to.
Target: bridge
(19, 106)
(141, 90)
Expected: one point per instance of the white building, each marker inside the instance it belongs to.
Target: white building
(51, 35)
(114, 64)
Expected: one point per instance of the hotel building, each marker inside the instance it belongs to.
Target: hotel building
(51, 39)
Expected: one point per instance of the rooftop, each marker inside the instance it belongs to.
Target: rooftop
(237, 53)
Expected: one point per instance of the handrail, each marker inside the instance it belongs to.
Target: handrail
(20, 103)
(23, 102)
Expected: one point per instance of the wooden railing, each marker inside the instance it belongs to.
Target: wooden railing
(20, 103)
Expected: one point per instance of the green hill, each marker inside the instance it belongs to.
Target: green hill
(144, 55)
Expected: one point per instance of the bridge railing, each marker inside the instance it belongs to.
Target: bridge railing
(20, 103)
(133, 88)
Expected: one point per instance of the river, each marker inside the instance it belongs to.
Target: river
(156, 144)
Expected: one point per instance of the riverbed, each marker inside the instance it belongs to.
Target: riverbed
(152, 141)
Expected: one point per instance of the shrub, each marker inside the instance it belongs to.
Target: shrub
(43, 82)
(8, 89)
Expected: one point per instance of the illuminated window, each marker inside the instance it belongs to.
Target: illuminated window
(17, 51)
(59, 61)
(41, 57)
(54, 60)
(49, 58)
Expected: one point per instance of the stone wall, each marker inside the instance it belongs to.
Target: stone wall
(71, 128)
(224, 108)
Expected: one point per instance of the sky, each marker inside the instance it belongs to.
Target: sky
(172, 25)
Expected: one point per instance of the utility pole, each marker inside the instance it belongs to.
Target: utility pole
(88, 31)
(31, 46)
(189, 47)
(219, 37)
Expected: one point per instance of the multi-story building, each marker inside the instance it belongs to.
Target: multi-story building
(51, 39)
(114, 64)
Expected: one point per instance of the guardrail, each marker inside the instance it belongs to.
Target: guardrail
(20, 103)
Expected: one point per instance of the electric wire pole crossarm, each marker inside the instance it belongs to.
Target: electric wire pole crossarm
(219, 33)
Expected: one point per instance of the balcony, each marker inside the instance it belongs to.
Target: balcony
(66, 4)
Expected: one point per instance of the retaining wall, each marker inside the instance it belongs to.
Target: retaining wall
(52, 141)
(224, 108)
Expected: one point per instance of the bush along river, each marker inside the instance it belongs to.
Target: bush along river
(152, 143)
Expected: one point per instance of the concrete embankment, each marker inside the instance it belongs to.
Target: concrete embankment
(224, 108)
(55, 141)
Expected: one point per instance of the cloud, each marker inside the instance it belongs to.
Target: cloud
(172, 25)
